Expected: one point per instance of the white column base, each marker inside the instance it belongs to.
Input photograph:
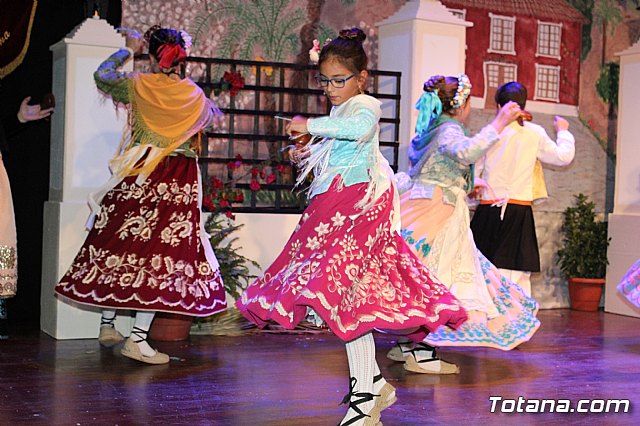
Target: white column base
(65, 233)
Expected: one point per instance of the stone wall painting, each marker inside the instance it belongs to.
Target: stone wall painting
(612, 26)
(273, 30)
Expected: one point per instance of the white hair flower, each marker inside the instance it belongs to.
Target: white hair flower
(463, 92)
(187, 41)
(314, 52)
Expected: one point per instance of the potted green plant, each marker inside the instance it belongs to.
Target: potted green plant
(219, 197)
(583, 256)
(234, 269)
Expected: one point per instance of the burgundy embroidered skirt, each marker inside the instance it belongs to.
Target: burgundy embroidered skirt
(146, 251)
(357, 275)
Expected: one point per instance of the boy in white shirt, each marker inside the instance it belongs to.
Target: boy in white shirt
(503, 225)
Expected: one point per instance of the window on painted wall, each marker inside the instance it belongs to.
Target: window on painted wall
(502, 37)
(547, 83)
(549, 35)
(460, 13)
(499, 74)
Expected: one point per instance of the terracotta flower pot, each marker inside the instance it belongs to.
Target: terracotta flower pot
(585, 293)
(170, 327)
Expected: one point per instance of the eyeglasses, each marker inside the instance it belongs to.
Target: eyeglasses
(338, 83)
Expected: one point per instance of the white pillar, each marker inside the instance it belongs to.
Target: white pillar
(422, 39)
(624, 222)
(85, 134)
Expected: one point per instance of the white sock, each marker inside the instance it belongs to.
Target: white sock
(361, 354)
(406, 345)
(424, 351)
(380, 383)
(108, 318)
(140, 330)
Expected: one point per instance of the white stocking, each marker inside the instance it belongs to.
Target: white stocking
(140, 331)
(108, 317)
(361, 354)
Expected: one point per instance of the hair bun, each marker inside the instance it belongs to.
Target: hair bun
(434, 83)
(163, 35)
(355, 34)
(149, 33)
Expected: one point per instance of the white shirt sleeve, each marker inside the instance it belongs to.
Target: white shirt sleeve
(559, 153)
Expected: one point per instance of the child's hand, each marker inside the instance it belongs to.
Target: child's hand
(297, 124)
(299, 153)
(479, 185)
(134, 40)
(507, 114)
(560, 123)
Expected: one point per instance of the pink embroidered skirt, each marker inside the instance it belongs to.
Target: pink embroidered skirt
(146, 251)
(357, 275)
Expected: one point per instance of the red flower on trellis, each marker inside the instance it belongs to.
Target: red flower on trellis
(232, 165)
(231, 81)
(220, 196)
(235, 80)
(254, 185)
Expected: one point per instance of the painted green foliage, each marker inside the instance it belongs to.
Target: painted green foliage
(325, 32)
(249, 24)
(586, 8)
(607, 14)
(603, 13)
(607, 84)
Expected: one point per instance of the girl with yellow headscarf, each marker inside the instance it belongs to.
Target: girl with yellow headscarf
(147, 250)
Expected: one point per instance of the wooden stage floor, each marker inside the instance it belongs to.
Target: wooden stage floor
(265, 379)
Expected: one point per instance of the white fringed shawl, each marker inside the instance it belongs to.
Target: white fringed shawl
(380, 172)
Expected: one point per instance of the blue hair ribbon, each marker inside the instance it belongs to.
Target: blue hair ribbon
(430, 107)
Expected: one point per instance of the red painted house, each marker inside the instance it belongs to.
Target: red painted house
(536, 42)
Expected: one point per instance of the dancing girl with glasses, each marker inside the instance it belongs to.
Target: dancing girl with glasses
(346, 259)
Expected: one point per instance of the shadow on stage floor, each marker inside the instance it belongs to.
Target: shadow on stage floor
(266, 379)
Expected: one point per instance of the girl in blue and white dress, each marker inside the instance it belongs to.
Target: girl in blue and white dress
(435, 223)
